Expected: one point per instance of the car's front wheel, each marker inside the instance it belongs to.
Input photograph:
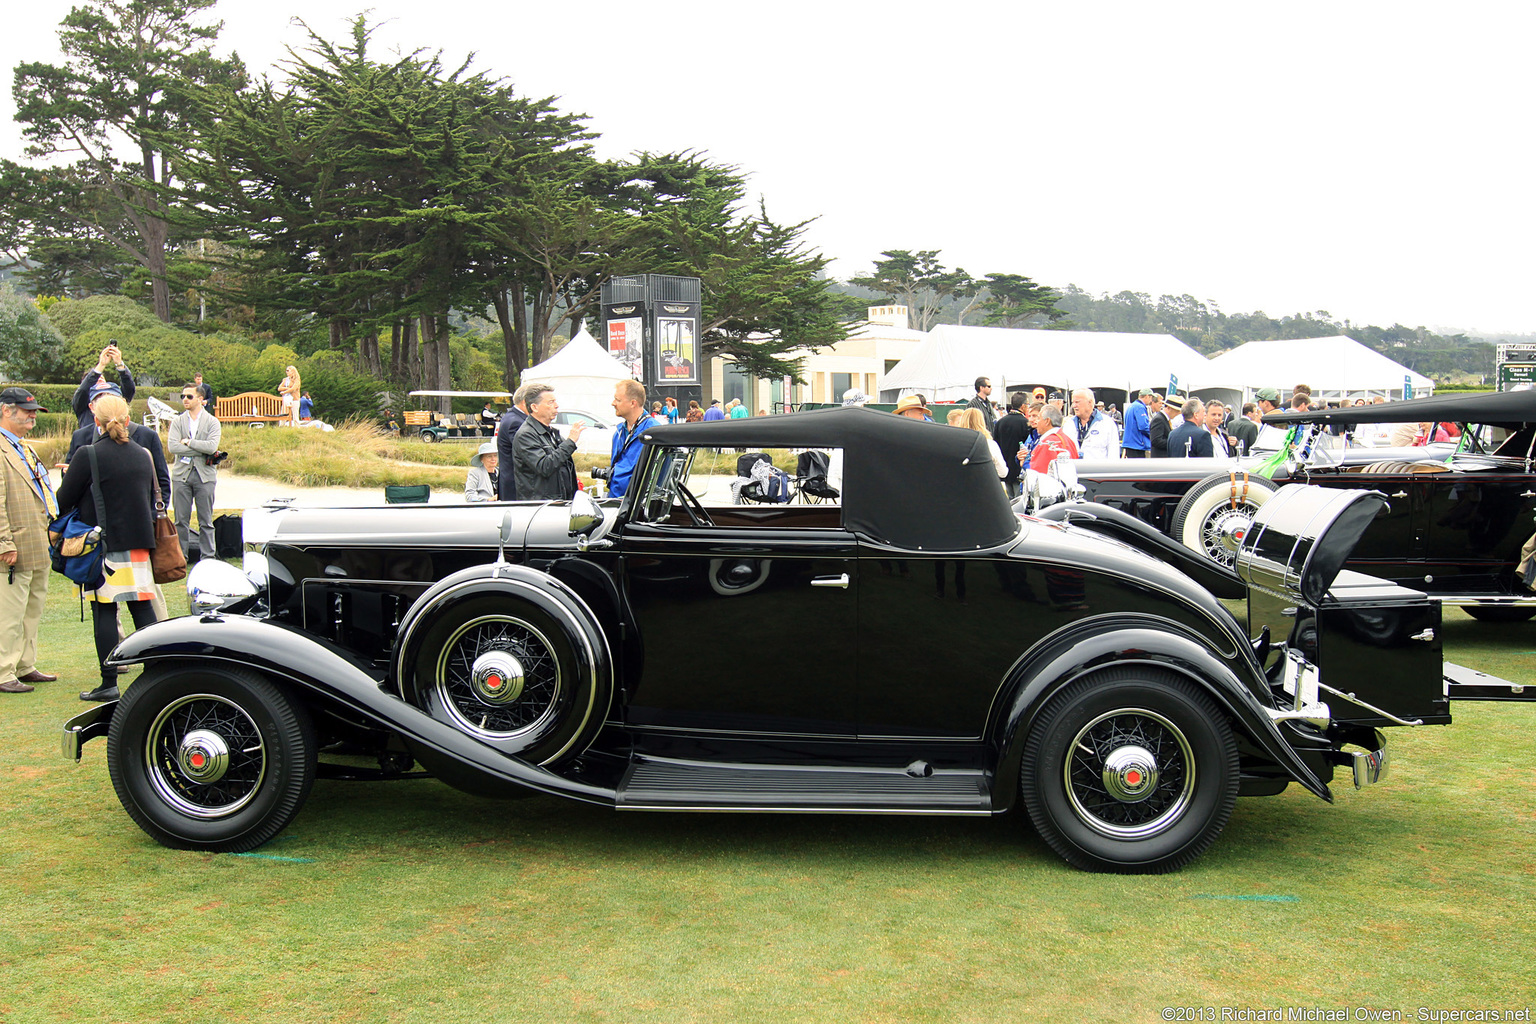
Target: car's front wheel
(1130, 769)
(210, 758)
(1215, 515)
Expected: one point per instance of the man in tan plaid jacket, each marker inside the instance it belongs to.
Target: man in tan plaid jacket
(26, 506)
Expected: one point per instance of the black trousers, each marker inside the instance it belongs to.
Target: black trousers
(1133, 453)
(104, 621)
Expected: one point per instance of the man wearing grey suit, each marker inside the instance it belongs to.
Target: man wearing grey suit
(194, 438)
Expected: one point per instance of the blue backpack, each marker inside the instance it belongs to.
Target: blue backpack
(74, 548)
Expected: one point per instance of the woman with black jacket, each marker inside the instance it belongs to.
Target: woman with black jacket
(125, 477)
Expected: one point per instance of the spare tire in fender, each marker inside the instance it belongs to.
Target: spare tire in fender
(510, 656)
(1215, 514)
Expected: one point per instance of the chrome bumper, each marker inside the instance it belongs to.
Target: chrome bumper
(1370, 765)
(86, 726)
(1300, 681)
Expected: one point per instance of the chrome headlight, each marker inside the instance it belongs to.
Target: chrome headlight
(213, 584)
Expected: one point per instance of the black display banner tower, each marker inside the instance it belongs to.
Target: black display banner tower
(651, 324)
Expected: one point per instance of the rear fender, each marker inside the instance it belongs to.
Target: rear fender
(1069, 656)
(311, 666)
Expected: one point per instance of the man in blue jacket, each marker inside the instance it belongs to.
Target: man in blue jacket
(634, 421)
(1137, 440)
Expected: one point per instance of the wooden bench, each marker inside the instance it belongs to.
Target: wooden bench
(250, 407)
(419, 417)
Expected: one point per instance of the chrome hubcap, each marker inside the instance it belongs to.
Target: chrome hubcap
(1130, 773)
(497, 677)
(1224, 531)
(204, 756)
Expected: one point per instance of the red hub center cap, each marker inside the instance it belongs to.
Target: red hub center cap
(198, 760)
(1133, 777)
(493, 682)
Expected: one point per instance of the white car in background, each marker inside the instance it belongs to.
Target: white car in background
(597, 439)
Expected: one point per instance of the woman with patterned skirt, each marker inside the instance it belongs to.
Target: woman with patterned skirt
(125, 477)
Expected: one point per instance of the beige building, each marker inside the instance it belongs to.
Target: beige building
(858, 361)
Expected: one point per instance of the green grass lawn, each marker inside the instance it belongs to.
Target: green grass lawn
(408, 901)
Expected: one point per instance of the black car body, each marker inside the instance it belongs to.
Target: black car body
(916, 648)
(1457, 517)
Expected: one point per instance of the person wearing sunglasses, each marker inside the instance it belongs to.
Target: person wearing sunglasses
(194, 448)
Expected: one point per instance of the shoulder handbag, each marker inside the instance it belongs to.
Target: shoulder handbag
(166, 559)
(75, 549)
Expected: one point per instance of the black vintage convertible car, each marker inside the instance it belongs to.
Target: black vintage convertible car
(915, 647)
(1458, 513)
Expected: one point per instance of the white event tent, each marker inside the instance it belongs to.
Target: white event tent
(583, 375)
(946, 365)
(1333, 368)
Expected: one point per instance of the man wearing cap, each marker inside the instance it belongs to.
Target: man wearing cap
(81, 404)
(713, 412)
(982, 400)
(1269, 438)
(27, 506)
(1137, 442)
(193, 439)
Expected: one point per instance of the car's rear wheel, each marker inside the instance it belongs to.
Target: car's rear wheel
(1216, 514)
(1130, 769)
(1499, 613)
(210, 758)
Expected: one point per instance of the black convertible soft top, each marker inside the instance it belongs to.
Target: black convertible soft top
(1499, 408)
(905, 483)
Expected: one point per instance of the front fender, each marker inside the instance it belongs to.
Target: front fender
(311, 665)
(1071, 655)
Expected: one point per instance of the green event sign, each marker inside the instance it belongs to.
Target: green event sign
(1516, 373)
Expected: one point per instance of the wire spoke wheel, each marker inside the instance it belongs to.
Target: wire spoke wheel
(1131, 769)
(205, 756)
(1130, 774)
(210, 757)
(498, 676)
(1214, 517)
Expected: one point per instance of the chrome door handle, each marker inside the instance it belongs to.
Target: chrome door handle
(1400, 494)
(1528, 494)
(831, 581)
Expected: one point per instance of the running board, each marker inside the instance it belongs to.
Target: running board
(663, 785)
(1462, 683)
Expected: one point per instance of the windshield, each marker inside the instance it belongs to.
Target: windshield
(667, 470)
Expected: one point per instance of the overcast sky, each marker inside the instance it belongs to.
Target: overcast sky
(1368, 159)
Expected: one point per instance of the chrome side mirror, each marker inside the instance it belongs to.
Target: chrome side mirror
(585, 515)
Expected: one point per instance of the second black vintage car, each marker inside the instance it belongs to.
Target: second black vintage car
(915, 647)
(1458, 513)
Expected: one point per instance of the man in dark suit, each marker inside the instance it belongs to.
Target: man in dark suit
(1157, 426)
(1011, 433)
(1190, 438)
(506, 430)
